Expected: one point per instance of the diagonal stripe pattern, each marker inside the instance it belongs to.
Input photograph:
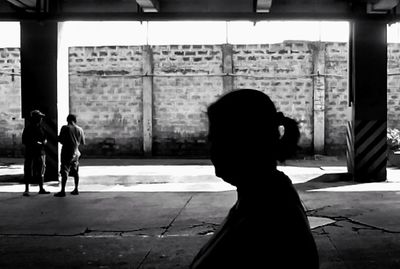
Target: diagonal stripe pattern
(350, 147)
(369, 149)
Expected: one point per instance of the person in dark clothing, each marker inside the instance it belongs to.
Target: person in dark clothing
(34, 139)
(267, 227)
(71, 137)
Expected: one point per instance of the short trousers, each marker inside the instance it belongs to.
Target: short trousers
(69, 166)
(34, 167)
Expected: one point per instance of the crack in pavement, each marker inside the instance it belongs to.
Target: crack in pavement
(144, 258)
(112, 233)
(87, 233)
(165, 231)
(203, 224)
(142, 231)
(350, 220)
(177, 215)
(311, 211)
(118, 233)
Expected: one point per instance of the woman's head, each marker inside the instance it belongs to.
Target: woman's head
(244, 135)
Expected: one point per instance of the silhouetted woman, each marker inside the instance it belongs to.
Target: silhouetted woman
(267, 227)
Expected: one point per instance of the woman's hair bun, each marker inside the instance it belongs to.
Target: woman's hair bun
(287, 146)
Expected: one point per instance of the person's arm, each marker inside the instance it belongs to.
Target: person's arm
(44, 137)
(83, 138)
(28, 136)
(61, 136)
(24, 141)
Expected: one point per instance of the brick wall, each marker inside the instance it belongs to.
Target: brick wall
(187, 78)
(182, 91)
(106, 96)
(106, 91)
(11, 122)
(393, 96)
(336, 96)
(283, 72)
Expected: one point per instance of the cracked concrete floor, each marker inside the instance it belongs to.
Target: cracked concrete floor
(354, 225)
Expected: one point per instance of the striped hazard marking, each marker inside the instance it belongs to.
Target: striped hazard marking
(370, 150)
(350, 147)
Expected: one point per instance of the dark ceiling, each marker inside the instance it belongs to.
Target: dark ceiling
(198, 9)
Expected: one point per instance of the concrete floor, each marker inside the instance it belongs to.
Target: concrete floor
(158, 213)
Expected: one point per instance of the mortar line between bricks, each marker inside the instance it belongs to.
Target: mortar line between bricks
(177, 215)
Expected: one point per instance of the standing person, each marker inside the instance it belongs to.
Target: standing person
(267, 227)
(34, 139)
(71, 136)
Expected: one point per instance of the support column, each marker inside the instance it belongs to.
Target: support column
(147, 100)
(319, 97)
(39, 82)
(227, 65)
(368, 94)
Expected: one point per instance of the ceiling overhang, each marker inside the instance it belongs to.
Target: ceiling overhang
(381, 6)
(62, 10)
(149, 5)
(263, 6)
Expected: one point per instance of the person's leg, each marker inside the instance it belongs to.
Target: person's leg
(76, 180)
(64, 171)
(75, 173)
(27, 173)
(42, 167)
(63, 183)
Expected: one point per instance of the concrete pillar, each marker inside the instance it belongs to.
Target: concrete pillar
(63, 81)
(147, 100)
(227, 65)
(39, 82)
(368, 94)
(319, 86)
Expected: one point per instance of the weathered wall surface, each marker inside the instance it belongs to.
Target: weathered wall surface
(187, 78)
(184, 85)
(106, 96)
(106, 92)
(283, 71)
(393, 94)
(11, 123)
(336, 96)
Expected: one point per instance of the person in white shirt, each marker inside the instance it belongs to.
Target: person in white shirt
(71, 137)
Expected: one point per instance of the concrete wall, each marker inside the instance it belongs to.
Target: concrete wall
(182, 91)
(106, 96)
(187, 78)
(283, 71)
(11, 122)
(393, 96)
(106, 92)
(336, 96)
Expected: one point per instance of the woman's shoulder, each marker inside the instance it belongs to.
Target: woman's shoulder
(281, 177)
